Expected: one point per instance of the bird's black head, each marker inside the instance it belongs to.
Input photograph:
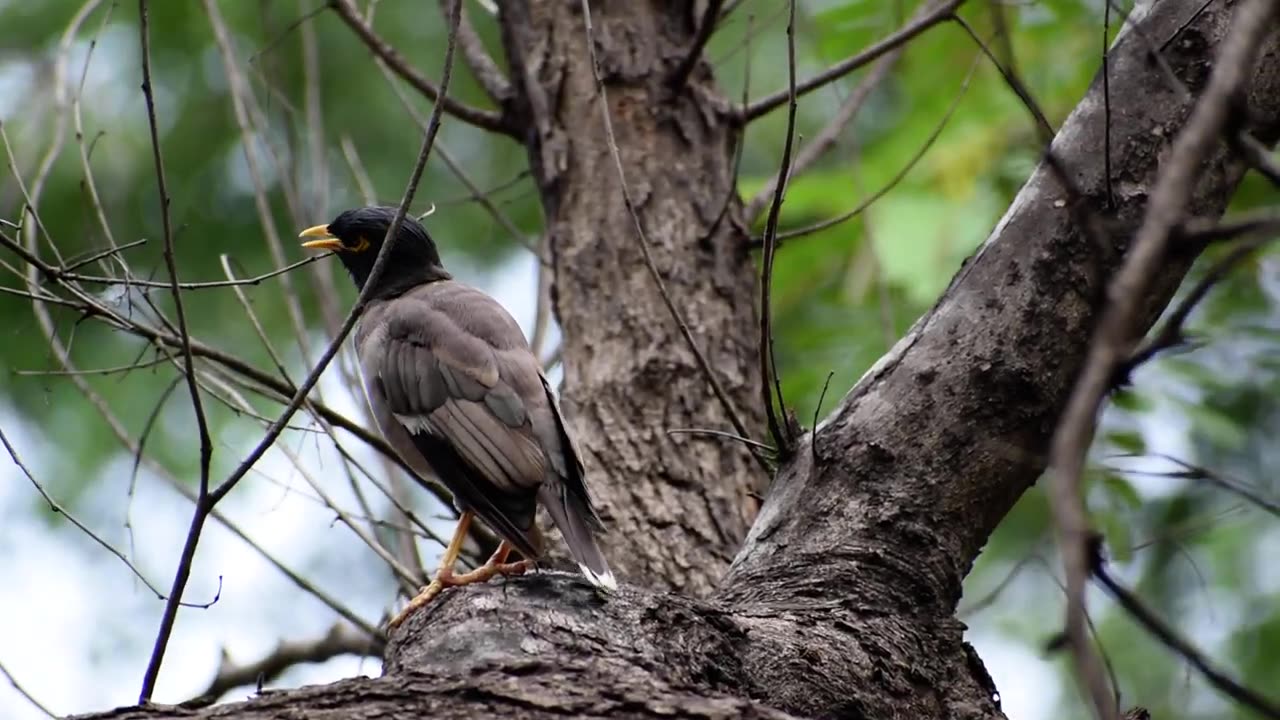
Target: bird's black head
(356, 237)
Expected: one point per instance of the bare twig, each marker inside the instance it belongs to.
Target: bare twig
(25, 693)
(341, 639)
(1171, 332)
(1258, 156)
(313, 106)
(484, 119)
(1014, 82)
(1166, 634)
(61, 273)
(59, 509)
(365, 184)
(722, 434)
(771, 387)
(1205, 231)
(95, 257)
(486, 71)
(206, 446)
(1191, 471)
(892, 183)
(90, 184)
(474, 191)
(944, 11)
(814, 149)
(170, 261)
(1114, 337)
(242, 106)
(643, 240)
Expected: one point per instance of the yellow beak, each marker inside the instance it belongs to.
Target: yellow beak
(323, 240)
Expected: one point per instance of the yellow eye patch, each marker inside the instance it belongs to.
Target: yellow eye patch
(361, 245)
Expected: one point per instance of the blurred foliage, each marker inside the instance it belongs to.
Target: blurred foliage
(843, 295)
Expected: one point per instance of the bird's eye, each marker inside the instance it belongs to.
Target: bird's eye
(362, 244)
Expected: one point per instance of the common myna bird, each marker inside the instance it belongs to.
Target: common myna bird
(456, 391)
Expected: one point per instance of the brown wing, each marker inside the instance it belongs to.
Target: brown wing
(447, 372)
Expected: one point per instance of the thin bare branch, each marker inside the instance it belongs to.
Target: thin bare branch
(56, 507)
(317, 151)
(892, 183)
(170, 260)
(242, 105)
(95, 257)
(826, 138)
(341, 639)
(206, 446)
(484, 119)
(1191, 471)
(781, 430)
(722, 434)
(474, 191)
(363, 182)
(942, 12)
(1114, 338)
(1172, 639)
(486, 71)
(25, 693)
(90, 184)
(1259, 156)
(1171, 333)
(62, 274)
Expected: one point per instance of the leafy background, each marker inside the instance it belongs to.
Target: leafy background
(76, 626)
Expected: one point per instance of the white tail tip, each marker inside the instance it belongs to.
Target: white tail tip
(604, 581)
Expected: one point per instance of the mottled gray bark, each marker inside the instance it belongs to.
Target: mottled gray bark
(678, 506)
(841, 600)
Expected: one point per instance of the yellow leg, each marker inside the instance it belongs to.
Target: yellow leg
(496, 565)
(447, 562)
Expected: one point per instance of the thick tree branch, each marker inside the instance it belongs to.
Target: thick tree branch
(938, 440)
(533, 690)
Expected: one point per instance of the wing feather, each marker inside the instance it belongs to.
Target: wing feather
(458, 404)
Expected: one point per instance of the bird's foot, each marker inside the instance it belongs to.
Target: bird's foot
(424, 596)
(445, 578)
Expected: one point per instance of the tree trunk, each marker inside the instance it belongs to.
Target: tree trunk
(677, 506)
(840, 603)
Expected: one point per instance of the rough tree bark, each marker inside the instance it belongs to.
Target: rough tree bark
(841, 600)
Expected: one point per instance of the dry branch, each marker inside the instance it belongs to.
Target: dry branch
(1122, 323)
(484, 119)
(341, 639)
(940, 13)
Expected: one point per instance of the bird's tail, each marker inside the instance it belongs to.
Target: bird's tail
(577, 523)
